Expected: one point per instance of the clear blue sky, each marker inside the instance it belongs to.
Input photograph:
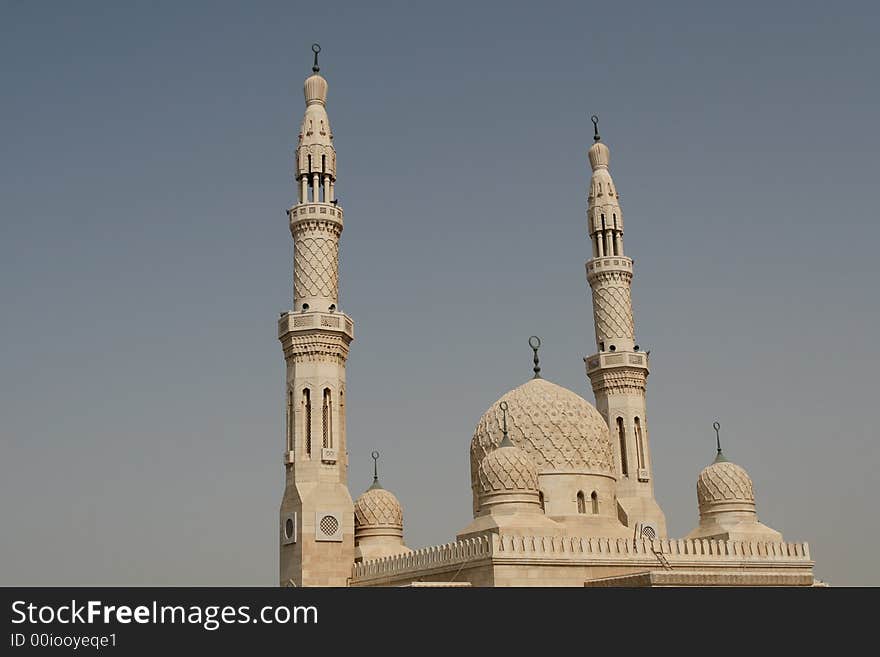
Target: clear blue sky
(144, 258)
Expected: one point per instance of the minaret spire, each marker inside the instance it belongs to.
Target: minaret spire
(315, 337)
(618, 371)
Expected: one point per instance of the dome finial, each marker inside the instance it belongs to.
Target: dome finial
(719, 457)
(595, 120)
(375, 483)
(505, 440)
(316, 48)
(535, 343)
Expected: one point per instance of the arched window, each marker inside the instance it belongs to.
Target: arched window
(342, 415)
(290, 420)
(307, 420)
(582, 506)
(595, 500)
(621, 435)
(639, 443)
(326, 419)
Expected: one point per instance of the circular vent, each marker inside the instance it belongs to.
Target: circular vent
(329, 525)
(288, 528)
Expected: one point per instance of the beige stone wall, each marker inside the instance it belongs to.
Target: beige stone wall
(309, 561)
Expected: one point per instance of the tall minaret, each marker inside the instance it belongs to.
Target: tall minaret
(619, 370)
(317, 514)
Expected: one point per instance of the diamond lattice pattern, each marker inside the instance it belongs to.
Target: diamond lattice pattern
(315, 267)
(507, 468)
(378, 507)
(724, 482)
(613, 312)
(558, 430)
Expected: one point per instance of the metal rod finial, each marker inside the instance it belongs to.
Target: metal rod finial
(505, 440)
(316, 48)
(719, 456)
(595, 120)
(375, 456)
(535, 343)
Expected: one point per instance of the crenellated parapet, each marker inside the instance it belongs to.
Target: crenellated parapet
(426, 559)
(592, 553)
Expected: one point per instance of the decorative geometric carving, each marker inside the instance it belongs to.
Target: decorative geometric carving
(619, 381)
(724, 482)
(378, 507)
(316, 346)
(507, 469)
(612, 311)
(557, 429)
(315, 266)
(329, 525)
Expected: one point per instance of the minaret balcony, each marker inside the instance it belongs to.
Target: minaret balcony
(302, 211)
(609, 263)
(615, 359)
(295, 322)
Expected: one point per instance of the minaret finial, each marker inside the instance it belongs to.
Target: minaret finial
(719, 457)
(595, 120)
(316, 48)
(375, 483)
(535, 343)
(505, 440)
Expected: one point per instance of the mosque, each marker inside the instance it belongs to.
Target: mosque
(563, 490)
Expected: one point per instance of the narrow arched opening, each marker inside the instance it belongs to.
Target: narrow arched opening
(621, 437)
(307, 421)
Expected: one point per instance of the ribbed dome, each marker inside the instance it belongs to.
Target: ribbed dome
(599, 154)
(378, 507)
(507, 469)
(723, 482)
(315, 89)
(558, 430)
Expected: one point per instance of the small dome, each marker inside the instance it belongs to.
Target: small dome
(723, 482)
(559, 431)
(600, 156)
(315, 89)
(377, 507)
(507, 469)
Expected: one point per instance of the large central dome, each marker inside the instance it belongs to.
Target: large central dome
(559, 430)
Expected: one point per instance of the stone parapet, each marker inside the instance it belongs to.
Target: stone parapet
(572, 550)
(296, 322)
(313, 211)
(608, 263)
(619, 359)
(425, 560)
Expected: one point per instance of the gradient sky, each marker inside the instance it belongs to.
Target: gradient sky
(144, 257)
